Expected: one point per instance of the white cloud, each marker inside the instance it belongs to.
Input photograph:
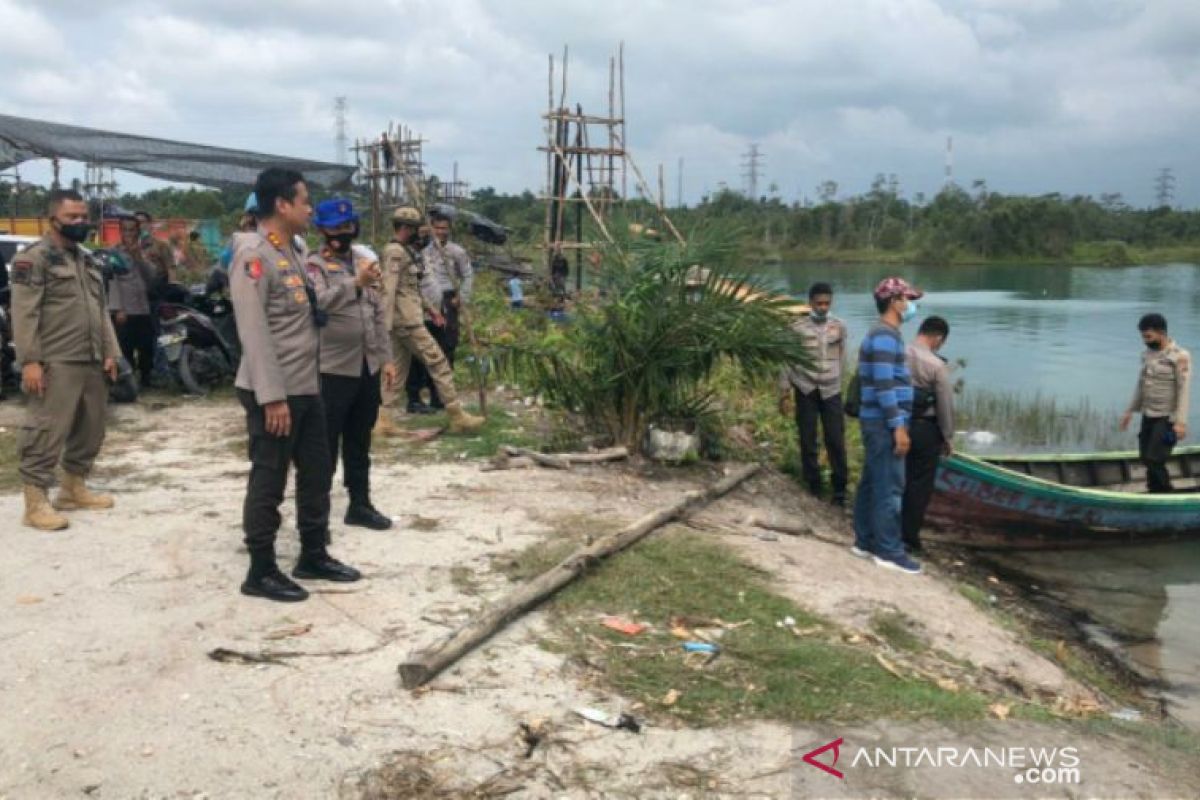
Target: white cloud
(1036, 92)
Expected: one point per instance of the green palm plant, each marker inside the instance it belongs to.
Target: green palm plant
(644, 351)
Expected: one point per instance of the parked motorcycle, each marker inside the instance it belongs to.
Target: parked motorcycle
(10, 378)
(198, 356)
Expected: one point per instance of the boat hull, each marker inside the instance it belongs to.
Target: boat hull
(985, 505)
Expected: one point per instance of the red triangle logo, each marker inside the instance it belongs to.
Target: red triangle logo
(811, 758)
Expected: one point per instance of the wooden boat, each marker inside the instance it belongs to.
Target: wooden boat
(1039, 501)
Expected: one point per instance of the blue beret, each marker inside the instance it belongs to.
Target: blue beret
(333, 212)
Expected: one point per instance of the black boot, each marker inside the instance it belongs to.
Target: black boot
(365, 515)
(418, 407)
(265, 580)
(320, 566)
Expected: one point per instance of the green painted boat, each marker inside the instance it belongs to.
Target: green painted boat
(1043, 501)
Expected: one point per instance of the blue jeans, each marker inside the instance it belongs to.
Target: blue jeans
(880, 492)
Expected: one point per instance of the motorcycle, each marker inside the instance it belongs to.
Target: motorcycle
(198, 356)
(10, 376)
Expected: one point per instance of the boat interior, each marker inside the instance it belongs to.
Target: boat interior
(1119, 473)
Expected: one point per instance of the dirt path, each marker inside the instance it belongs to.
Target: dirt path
(105, 628)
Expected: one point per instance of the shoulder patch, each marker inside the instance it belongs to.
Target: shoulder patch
(254, 269)
(21, 268)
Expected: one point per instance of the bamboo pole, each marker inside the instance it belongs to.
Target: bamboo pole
(587, 201)
(420, 667)
(650, 193)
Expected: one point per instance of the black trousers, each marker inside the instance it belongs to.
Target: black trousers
(447, 338)
(136, 338)
(307, 446)
(809, 409)
(920, 470)
(351, 409)
(1154, 452)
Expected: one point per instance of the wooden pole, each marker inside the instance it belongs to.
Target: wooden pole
(420, 667)
(587, 201)
(650, 193)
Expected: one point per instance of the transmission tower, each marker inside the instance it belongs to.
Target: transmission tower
(1164, 187)
(339, 116)
(752, 169)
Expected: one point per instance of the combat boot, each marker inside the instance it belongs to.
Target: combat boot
(461, 421)
(38, 513)
(74, 494)
(384, 425)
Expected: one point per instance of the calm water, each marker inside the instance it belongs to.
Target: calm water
(1068, 333)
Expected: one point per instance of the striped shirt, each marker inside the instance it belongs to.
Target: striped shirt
(884, 378)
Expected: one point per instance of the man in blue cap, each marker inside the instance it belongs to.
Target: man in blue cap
(356, 351)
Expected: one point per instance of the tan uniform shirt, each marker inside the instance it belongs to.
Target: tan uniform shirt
(403, 270)
(356, 327)
(130, 292)
(274, 320)
(930, 373)
(450, 269)
(826, 342)
(59, 311)
(1164, 384)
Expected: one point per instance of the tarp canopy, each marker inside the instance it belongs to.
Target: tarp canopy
(24, 139)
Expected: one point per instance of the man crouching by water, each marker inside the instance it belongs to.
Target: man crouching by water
(1162, 398)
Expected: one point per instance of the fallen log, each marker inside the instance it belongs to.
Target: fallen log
(508, 458)
(554, 462)
(791, 529)
(423, 665)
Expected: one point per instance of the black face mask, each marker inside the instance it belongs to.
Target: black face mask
(1154, 345)
(340, 242)
(75, 232)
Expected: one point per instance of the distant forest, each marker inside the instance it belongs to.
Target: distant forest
(956, 224)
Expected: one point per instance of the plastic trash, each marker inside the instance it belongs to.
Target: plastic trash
(701, 647)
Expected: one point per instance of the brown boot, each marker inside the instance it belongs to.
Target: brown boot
(38, 513)
(384, 425)
(74, 494)
(461, 421)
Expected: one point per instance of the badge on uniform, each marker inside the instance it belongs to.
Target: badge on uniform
(20, 271)
(254, 269)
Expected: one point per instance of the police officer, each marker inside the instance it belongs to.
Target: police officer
(66, 345)
(931, 429)
(1161, 395)
(449, 278)
(278, 385)
(355, 352)
(129, 302)
(405, 310)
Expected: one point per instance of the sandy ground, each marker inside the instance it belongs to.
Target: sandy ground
(108, 691)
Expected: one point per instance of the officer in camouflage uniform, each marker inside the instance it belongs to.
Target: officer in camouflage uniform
(356, 351)
(1162, 394)
(405, 311)
(66, 345)
(278, 385)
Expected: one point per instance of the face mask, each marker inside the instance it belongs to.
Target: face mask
(340, 242)
(818, 316)
(909, 311)
(75, 232)
(1155, 345)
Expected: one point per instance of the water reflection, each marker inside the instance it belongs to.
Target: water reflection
(1147, 598)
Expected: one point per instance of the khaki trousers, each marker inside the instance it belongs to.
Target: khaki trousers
(70, 413)
(414, 341)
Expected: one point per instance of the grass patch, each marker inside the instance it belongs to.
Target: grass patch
(501, 428)
(569, 532)
(899, 630)
(763, 671)
(1085, 670)
(10, 478)
(465, 580)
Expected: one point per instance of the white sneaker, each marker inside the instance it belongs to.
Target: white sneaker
(857, 552)
(901, 563)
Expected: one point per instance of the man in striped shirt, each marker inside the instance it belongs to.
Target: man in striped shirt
(884, 416)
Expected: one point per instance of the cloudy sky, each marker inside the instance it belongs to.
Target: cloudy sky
(1078, 96)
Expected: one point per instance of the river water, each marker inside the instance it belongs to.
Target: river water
(1067, 333)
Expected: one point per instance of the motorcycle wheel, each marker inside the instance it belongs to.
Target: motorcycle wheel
(200, 369)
